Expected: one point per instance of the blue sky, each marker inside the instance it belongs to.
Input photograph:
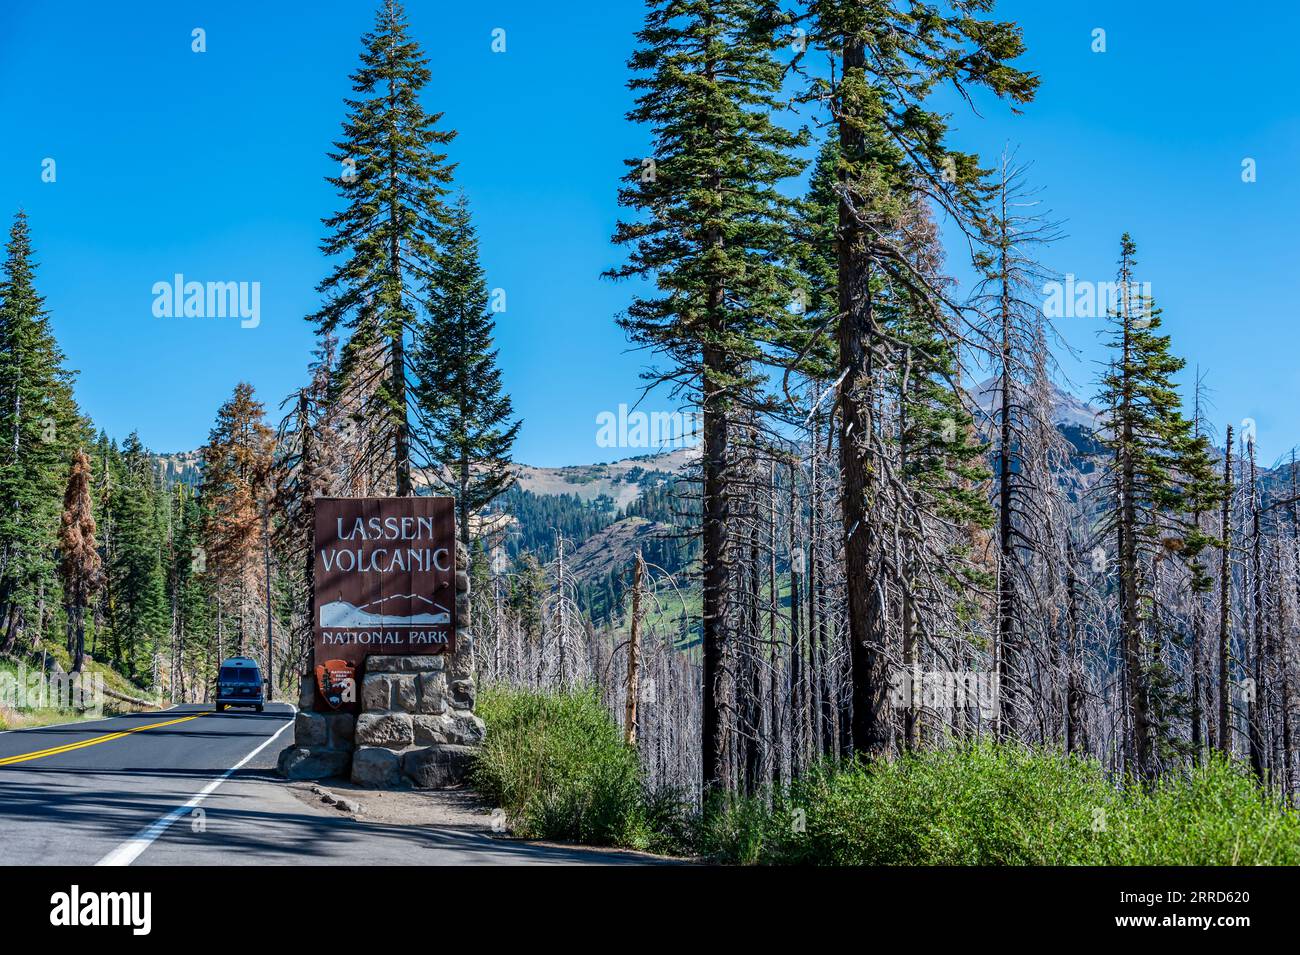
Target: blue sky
(212, 165)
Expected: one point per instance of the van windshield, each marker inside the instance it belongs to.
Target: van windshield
(238, 675)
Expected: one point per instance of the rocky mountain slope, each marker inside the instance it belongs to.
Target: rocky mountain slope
(622, 482)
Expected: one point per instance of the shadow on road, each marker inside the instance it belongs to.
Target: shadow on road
(236, 826)
(251, 835)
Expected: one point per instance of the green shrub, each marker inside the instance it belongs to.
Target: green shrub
(993, 804)
(1214, 815)
(670, 820)
(556, 763)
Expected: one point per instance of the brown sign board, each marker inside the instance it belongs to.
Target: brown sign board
(385, 577)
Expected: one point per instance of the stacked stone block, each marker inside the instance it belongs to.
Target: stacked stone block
(413, 730)
(323, 742)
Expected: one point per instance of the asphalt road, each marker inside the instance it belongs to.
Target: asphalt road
(188, 786)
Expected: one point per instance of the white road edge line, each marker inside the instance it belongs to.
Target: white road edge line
(130, 850)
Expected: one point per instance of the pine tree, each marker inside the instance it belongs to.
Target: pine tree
(713, 226)
(465, 416)
(81, 565)
(815, 254)
(39, 427)
(528, 590)
(108, 478)
(236, 470)
(393, 181)
(891, 56)
(190, 594)
(140, 585)
(1154, 451)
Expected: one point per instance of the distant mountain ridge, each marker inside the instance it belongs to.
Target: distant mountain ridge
(621, 481)
(600, 515)
(1068, 411)
(613, 486)
(601, 508)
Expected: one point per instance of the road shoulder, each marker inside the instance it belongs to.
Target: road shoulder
(452, 810)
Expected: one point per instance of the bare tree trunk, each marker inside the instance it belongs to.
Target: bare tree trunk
(1225, 596)
(1075, 717)
(79, 638)
(798, 705)
(308, 469)
(715, 602)
(1008, 675)
(775, 748)
(1254, 700)
(753, 702)
(633, 655)
(816, 665)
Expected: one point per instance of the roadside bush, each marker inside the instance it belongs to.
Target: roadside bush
(993, 804)
(1213, 815)
(556, 764)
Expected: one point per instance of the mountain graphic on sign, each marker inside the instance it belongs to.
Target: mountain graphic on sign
(339, 614)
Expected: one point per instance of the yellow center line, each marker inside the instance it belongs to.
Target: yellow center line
(107, 737)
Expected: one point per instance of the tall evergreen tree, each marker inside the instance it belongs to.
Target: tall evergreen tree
(190, 595)
(529, 588)
(713, 223)
(39, 427)
(392, 181)
(140, 595)
(466, 427)
(236, 471)
(108, 479)
(81, 565)
(1159, 473)
(890, 57)
(814, 254)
